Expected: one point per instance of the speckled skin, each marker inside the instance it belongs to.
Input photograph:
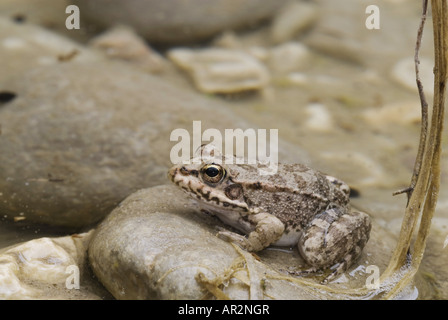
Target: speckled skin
(296, 206)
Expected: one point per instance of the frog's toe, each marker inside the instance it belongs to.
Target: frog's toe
(236, 238)
(303, 273)
(338, 268)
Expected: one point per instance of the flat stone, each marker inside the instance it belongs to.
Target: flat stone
(48, 268)
(218, 70)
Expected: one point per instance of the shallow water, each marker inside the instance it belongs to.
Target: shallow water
(335, 112)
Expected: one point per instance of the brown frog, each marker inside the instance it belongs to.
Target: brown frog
(295, 206)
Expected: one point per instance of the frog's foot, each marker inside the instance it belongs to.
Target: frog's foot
(304, 273)
(336, 270)
(268, 229)
(334, 239)
(340, 267)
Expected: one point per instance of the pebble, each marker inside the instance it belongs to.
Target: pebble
(123, 43)
(293, 18)
(218, 70)
(403, 113)
(287, 57)
(319, 118)
(403, 73)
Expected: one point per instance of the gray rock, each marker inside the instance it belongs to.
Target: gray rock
(80, 134)
(74, 143)
(26, 46)
(157, 245)
(178, 21)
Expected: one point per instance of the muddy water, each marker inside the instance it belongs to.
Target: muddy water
(355, 120)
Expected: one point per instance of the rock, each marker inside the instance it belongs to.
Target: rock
(78, 138)
(157, 245)
(341, 32)
(402, 113)
(217, 70)
(81, 133)
(178, 21)
(404, 73)
(45, 13)
(26, 46)
(369, 171)
(319, 118)
(47, 268)
(287, 57)
(121, 42)
(293, 18)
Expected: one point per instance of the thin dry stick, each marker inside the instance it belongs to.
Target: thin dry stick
(424, 108)
(399, 258)
(427, 183)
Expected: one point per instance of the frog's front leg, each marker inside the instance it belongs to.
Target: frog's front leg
(334, 239)
(268, 229)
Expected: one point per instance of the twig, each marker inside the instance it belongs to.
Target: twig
(424, 109)
(426, 179)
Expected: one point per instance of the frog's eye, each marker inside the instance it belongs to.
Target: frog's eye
(213, 173)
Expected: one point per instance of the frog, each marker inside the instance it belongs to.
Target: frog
(294, 206)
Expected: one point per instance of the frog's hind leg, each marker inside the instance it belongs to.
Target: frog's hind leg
(334, 239)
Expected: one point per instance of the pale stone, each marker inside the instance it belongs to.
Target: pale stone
(46, 268)
(319, 118)
(293, 18)
(122, 42)
(403, 113)
(219, 70)
(404, 73)
(288, 57)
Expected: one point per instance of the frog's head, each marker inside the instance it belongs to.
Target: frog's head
(211, 184)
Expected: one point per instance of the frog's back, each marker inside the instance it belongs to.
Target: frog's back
(292, 178)
(295, 194)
